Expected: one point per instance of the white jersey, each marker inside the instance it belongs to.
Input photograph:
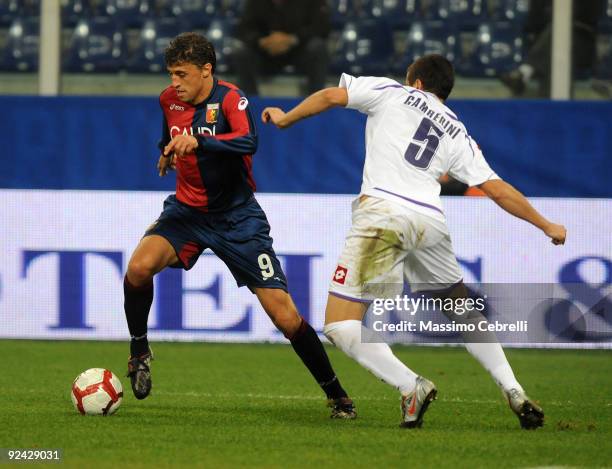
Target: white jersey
(411, 140)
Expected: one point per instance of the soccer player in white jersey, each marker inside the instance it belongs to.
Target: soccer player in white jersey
(398, 226)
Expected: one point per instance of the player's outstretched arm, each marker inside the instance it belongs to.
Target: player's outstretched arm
(314, 104)
(515, 203)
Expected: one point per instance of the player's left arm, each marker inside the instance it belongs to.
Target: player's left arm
(515, 203)
(242, 138)
(468, 165)
(314, 104)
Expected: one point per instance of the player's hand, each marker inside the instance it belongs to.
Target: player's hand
(556, 233)
(181, 145)
(275, 116)
(165, 164)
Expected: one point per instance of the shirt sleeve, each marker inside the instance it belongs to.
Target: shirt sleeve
(468, 164)
(165, 135)
(242, 140)
(365, 94)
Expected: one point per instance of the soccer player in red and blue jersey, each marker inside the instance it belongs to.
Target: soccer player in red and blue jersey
(209, 137)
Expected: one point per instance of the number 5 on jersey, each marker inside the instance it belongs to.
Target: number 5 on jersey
(424, 144)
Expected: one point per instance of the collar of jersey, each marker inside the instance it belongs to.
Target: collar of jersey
(429, 93)
(210, 95)
(433, 95)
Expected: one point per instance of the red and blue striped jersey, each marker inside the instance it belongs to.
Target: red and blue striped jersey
(218, 176)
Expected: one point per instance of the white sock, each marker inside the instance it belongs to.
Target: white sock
(485, 348)
(492, 357)
(377, 358)
(526, 71)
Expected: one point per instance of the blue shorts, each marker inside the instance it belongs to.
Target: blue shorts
(240, 237)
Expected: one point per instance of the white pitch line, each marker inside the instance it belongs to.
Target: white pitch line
(552, 467)
(321, 398)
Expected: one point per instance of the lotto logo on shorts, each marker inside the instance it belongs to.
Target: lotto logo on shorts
(340, 275)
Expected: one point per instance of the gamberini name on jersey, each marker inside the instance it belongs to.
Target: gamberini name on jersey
(445, 122)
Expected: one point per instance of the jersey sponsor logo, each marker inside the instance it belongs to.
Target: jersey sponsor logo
(176, 107)
(212, 113)
(340, 275)
(176, 130)
(243, 103)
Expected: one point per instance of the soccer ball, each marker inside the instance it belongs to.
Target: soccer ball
(97, 392)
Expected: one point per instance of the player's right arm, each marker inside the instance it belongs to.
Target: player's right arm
(314, 104)
(364, 94)
(165, 162)
(515, 203)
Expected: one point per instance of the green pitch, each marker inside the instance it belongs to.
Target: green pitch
(223, 405)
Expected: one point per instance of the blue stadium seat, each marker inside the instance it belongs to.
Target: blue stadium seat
(29, 7)
(127, 13)
(603, 68)
(154, 38)
(464, 14)
(21, 50)
(427, 37)
(10, 10)
(499, 48)
(513, 11)
(195, 14)
(75, 10)
(231, 9)
(364, 47)
(97, 45)
(341, 11)
(398, 13)
(605, 21)
(220, 34)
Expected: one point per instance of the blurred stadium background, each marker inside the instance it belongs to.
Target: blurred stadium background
(116, 46)
(80, 121)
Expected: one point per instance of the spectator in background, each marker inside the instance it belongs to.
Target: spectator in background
(538, 61)
(277, 33)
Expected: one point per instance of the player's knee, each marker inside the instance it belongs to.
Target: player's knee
(343, 334)
(286, 318)
(140, 271)
(287, 322)
(288, 326)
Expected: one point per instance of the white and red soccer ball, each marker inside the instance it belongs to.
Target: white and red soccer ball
(97, 392)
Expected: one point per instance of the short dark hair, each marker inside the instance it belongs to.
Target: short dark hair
(436, 72)
(190, 48)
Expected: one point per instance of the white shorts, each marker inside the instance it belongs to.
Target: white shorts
(388, 243)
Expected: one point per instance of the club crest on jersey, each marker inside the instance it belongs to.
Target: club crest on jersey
(340, 275)
(212, 113)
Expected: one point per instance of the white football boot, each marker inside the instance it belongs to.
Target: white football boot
(415, 404)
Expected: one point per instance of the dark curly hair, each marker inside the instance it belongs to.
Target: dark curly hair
(436, 73)
(190, 48)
